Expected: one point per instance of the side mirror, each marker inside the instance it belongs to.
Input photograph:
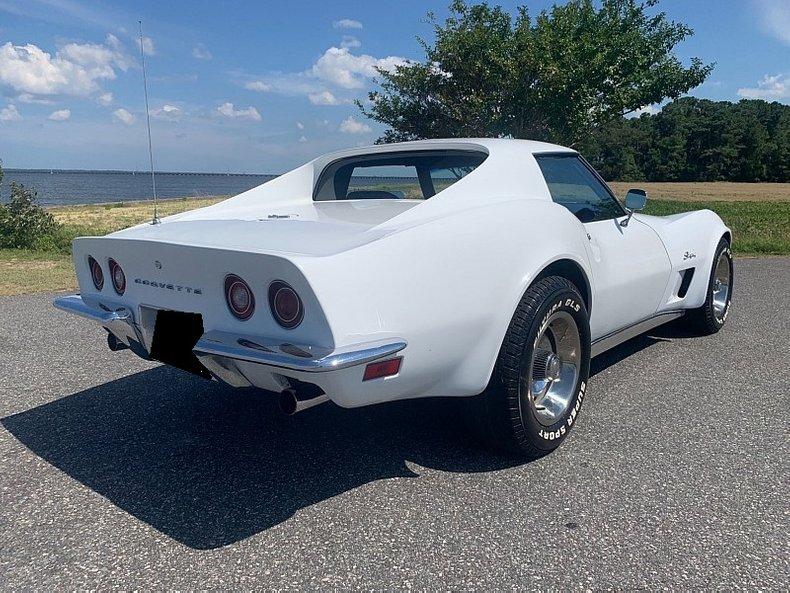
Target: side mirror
(635, 201)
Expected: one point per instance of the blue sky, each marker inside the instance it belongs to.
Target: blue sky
(264, 86)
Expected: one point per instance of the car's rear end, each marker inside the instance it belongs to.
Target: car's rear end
(316, 284)
(248, 318)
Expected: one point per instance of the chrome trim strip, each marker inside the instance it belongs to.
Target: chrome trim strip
(231, 346)
(74, 304)
(616, 338)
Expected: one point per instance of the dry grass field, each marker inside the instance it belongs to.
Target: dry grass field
(719, 191)
(107, 218)
(758, 213)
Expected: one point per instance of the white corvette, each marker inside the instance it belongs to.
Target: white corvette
(475, 267)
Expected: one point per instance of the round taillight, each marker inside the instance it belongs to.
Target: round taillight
(285, 304)
(239, 297)
(96, 273)
(117, 276)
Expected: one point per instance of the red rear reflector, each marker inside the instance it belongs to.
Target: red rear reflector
(386, 368)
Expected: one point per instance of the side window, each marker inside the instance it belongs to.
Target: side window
(573, 185)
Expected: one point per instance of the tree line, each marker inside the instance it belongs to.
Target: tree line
(568, 75)
(695, 139)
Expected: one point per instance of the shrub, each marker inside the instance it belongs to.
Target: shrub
(26, 225)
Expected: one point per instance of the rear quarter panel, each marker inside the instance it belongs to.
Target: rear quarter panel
(449, 287)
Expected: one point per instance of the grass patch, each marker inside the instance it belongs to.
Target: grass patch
(23, 271)
(758, 228)
(35, 271)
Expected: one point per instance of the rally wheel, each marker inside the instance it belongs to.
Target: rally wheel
(540, 377)
(711, 316)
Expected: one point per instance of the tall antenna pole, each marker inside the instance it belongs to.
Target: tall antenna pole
(148, 122)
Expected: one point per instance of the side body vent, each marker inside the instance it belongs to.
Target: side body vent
(688, 274)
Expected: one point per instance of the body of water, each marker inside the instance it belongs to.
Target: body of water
(90, 187)
(59, 187)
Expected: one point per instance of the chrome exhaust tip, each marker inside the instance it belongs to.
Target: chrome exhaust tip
(290, 403)
(114, 343)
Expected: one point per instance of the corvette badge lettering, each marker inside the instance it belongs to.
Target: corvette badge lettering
(168, 286)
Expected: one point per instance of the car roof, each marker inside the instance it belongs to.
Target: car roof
(509, 167)
(501, 146)
(509, 172)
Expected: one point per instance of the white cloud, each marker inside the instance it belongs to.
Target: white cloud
(347, 24)
(60, 115)
(770, 88)
(75, 69)
(775, 18)
(336, 78)
(201, 52)
(28, 98)
(349, 41)
(10, 113)
(325, 98)
(167, 111)
(123, 116)
(148, 46)
(352, 126)
(285, 83)
(258, 85)
(341, 68)
(229, 111)
(299, 125)
(105, 98)
(302, 139)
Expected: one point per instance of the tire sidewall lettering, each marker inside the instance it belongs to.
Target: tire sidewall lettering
(559, 430)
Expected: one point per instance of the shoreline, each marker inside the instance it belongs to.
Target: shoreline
(133, 202)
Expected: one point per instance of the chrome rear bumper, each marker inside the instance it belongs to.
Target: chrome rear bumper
(215, 349)
(74, 304)
(290, 356)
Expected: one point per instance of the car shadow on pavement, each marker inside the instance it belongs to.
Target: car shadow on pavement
(619, 353)
(676, 329)
(209, 465)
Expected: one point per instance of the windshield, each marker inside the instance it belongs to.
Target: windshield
(395, 176)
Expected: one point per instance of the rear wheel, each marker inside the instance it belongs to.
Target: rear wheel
(710, 318)
(540, 376)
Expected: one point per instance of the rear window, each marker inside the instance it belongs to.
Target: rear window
(395, 176)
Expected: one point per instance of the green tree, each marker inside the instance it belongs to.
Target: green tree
(695, 139)
(555, 77)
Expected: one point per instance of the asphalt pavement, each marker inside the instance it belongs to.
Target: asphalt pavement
(115, 472)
